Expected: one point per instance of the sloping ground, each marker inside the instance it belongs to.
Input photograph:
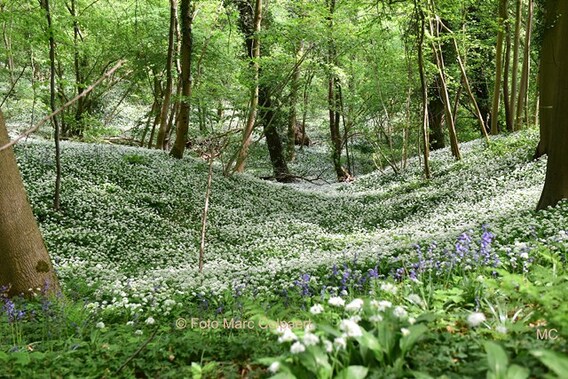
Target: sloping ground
(131, 219)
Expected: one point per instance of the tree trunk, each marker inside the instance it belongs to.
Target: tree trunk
(424, 86)
(160, 140)
(498, 69)
(554, 102)
(516, 49)
(293, 117)
(186, 49)
(57, 192)
(507, 100)
(523, 90)
(436, 138)
(275, 148)
(25, 261)
(253, 48)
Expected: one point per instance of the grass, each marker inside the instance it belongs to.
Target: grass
(125, 247)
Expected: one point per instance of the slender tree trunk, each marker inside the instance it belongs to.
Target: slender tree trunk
(253, 107)
(293, 118)
(155, 109)
(554, 102)
(498, 68)
(424, 86)
(160, 141)
(186, 49)
(434, 30)
(523, 90)
(333, 98)
(25, 261)
(305, 102)
(516, 49)
(57, 193)
(507, 101)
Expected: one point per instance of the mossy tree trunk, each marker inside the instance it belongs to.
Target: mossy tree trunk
(182, 122)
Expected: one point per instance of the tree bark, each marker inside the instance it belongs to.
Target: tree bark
(516, 49)
(25, 261)
(293, 116)
(498, 69)
(523, 90)
(184, 107)
(424, 87)
(57, 192)
(253, 47)
(160, 140)
(554, 102)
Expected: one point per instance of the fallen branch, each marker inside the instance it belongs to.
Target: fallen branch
(137, 351)
(63, 107)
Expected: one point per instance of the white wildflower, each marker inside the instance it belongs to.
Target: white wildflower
(350, 328)
(130, 323)
(376, 318)
(274, 367)
(475, 319)
(340, 343)
(138, 332)
(501, 329)
(287, 336)
(405, 332)
(382, 305)
(355, 305)
(310, 339)
(399, 312)
(411, 320)
(415, 299)
(150, 321)
(316, 309)
(328, 346)
(297, 348)
(389, 287)
(100, 325)
(336, 301)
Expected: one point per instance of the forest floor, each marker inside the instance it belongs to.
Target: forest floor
(453, 277)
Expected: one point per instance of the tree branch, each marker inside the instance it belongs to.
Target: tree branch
(66, 105)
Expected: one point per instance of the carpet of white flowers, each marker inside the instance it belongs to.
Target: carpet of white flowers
(130, 225)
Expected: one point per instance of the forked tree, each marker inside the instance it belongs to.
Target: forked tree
(25, 263)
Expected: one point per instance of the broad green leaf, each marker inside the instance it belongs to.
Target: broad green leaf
(554, 361)
(497, 358)
(416, 331)
(421, 375)
(517, 372)
(316, 361)
(353, 372)
(283, 375)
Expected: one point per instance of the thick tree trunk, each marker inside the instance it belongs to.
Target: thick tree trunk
(554, 102)
(436, 138)
(498, 69)
(507, 100)
(275, 148)
(186, 49)
(160, 140)
(25, 261)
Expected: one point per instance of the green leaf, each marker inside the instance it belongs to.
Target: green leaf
(369, 342)
(421, 375)
(315, 360)
(416, 331)
(353, 372)
(554, 361)
(283, 375)
(517, 372)
(497, 359)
